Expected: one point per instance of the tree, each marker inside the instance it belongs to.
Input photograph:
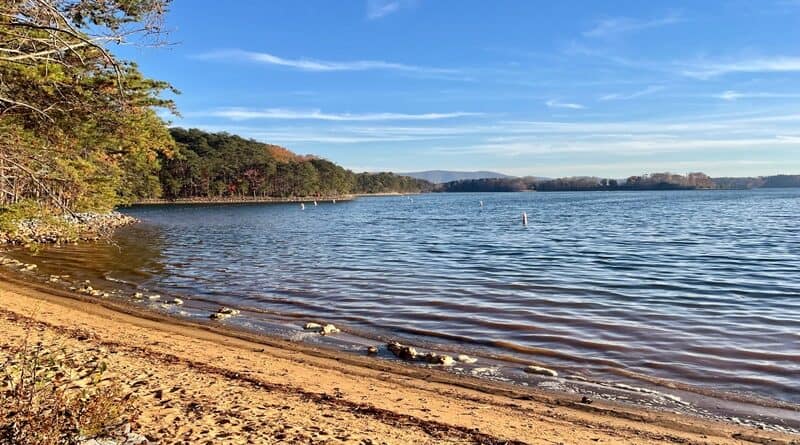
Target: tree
(225, 165)
(77, 127)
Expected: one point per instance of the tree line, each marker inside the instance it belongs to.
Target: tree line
(654, 181)
(219, 165)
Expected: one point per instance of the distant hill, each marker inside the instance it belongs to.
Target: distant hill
(442, 176)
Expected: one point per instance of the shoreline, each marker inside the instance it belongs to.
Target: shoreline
(243, 200)
(107, 317)
(265, 199)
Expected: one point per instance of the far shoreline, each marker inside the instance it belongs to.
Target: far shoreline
(264, 199)
(242, 200)
(355, 196)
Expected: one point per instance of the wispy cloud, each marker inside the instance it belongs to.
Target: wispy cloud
(615, 26)
(731, 95)
(381, 8)
(240, 114)
(621, 146)
(565, 105)
(707, 70)
(628, 96)
(305, 64)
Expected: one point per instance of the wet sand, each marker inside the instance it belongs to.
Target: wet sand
(197, 383)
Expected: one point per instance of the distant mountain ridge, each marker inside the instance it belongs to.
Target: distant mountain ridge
(442, 176)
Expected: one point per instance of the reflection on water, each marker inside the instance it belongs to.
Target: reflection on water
(696, 287)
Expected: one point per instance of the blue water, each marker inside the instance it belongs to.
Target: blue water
(697, 287)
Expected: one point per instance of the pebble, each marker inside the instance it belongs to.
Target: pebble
(372, 350)
(532, 369)
(312, 326)
(154, 297)
(177, 301)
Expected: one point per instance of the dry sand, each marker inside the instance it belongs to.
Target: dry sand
(197, 385)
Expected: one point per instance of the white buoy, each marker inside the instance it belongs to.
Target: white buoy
(334, 201)
(481, 203)
(302, 206)
(524, 219)
(315, 203)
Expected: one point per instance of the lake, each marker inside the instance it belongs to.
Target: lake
(697, 290)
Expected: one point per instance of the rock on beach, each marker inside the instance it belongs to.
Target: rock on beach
(436, 359)
(463, 358)
(402, 351)
(88, 226)
(326, 329)
(224, 313)
(533, 369)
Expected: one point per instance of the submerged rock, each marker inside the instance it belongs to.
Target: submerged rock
(463, 358)
(329, 329)
(436, 359)
(224, 313)
(402, 351)
(533, 369)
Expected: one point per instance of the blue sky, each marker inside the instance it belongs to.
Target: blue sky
(522, 87)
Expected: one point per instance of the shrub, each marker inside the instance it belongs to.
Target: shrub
(48, 397)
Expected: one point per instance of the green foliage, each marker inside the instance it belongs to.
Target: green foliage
(28, 222)
(12, 215)
(214, 165)
(390, 183)
(78, 128)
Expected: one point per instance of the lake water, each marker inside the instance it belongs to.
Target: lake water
(689, 289)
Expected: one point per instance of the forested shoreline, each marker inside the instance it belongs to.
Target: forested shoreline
(222, 165)
(654, 181)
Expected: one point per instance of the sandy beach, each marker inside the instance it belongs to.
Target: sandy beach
(194, 384)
